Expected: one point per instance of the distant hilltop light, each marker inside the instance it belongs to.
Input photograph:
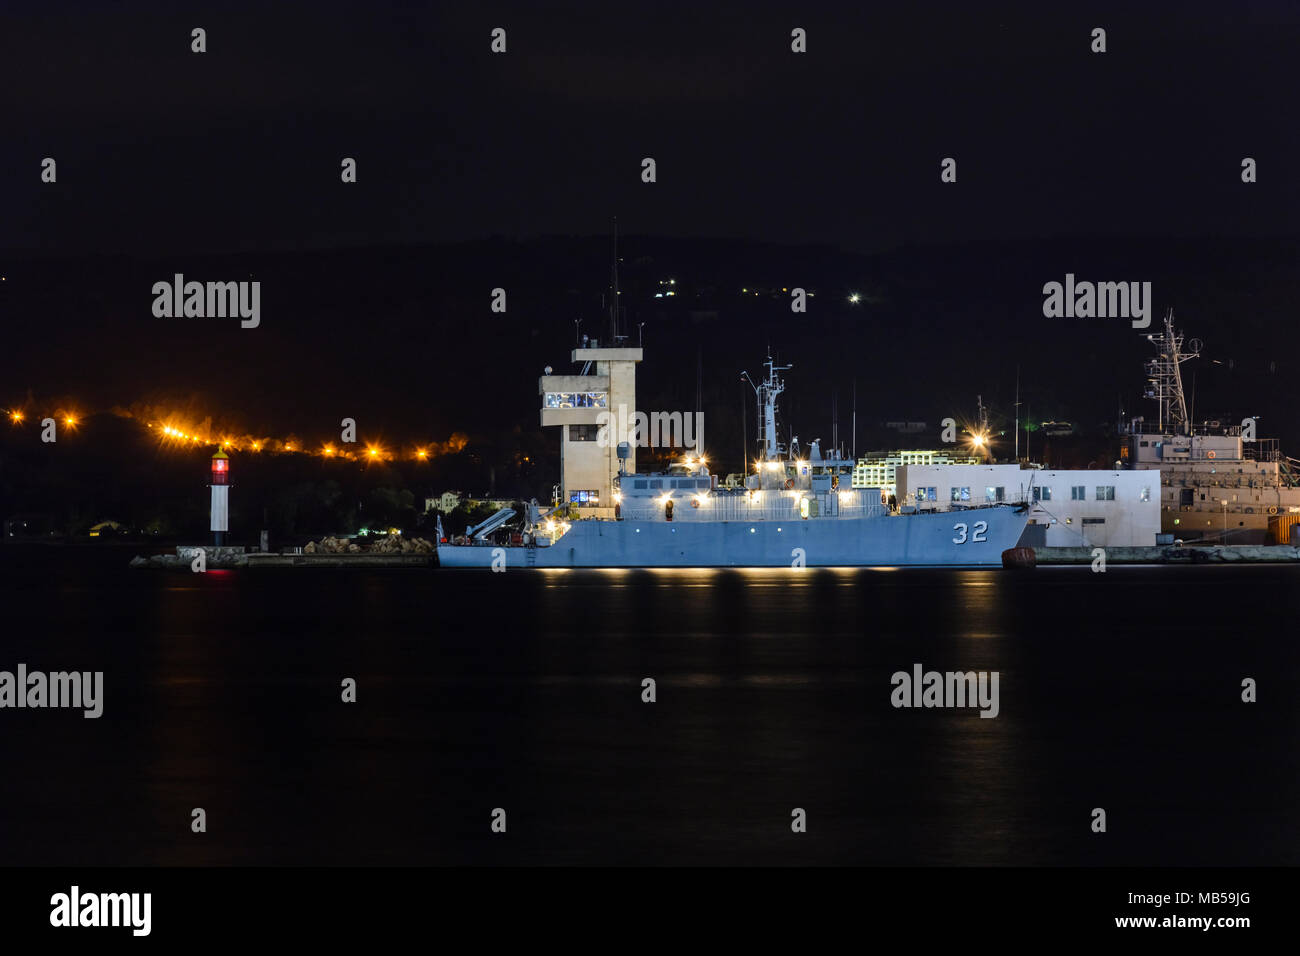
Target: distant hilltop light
(855, 298)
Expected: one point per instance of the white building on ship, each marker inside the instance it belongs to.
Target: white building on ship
(1076, 508)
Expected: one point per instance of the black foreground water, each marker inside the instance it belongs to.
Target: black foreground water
(523, 691)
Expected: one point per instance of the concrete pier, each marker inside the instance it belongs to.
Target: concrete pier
(233, 558)
(1170, 554)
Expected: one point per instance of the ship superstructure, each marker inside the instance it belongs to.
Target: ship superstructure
(1217, 481)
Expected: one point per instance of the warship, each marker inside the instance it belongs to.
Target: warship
(791, 510)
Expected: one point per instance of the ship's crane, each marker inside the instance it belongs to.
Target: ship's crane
(491, 524)
(536, 512)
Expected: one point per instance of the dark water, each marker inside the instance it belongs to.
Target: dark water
(523, 691)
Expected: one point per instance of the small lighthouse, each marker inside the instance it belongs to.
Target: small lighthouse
(220, 496)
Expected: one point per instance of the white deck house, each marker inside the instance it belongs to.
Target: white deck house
(1081, 508)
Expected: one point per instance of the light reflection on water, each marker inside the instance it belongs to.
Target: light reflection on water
(773, 690)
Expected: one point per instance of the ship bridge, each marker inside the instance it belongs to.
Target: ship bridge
(589, 408)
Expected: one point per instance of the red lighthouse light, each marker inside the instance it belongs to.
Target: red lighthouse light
(220, 469)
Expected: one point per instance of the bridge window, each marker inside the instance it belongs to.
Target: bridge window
(585, 498)
(575, 400)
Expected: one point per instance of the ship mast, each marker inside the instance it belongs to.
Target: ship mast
(614, 337)
(1165, 378)
(770, 448)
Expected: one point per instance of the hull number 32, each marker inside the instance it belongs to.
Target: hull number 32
(976, 533)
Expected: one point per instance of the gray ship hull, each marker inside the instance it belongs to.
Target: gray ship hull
(972, 538)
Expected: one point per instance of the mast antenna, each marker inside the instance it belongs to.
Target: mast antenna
(767, 392)
(1017, 412)
(1165, 377)
(614, 293)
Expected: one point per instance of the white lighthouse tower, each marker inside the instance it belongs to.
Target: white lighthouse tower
(220, 497)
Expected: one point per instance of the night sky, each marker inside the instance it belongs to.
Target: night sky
(226, 165)
(161, 149)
